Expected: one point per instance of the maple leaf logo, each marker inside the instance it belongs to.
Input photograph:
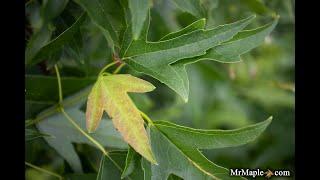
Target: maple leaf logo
(268, 174)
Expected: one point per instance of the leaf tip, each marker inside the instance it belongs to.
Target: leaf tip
(151, 86)
(150, 157)
(267, 122)
(154, 161)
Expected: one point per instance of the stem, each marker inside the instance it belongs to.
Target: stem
(118, 68)
(43, 170)
(71, 120)
(99, 146)
(146, 117)
(59, 84)
(107, 66)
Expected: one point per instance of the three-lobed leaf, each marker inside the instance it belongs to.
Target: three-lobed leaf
(110, 94)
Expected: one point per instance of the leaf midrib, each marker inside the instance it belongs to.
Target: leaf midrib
(185, 45)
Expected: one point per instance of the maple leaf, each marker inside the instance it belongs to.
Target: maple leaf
(166, 59)
(110, 94)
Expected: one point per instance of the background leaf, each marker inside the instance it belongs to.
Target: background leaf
(65, 134)
(57, 43)
(42, 91)
(139, 10)
(111, 169)
(31, 134)
(108, 15)
(191, 6)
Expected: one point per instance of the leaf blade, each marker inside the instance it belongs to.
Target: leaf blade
(65, 134)
(57, 43)
(230, 51)
(125, 116)
(108, 16)
(178, 151)
(139, 11)
(191, 6)
(94, 110)
(212, 139)
(154, 58)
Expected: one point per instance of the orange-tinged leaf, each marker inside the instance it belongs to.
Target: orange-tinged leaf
(110, 95)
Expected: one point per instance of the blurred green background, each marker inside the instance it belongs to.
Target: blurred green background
(222, 96)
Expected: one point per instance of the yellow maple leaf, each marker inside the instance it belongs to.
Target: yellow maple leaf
(110, 94)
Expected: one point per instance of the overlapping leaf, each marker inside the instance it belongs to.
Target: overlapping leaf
(108, 15)
(257, 6)
(165, 60)
(31, 134)
(193, 7)
(111, 167)
(57, 43)
(64, 133)
(110, 94)
(42, 91)
(139, 11)
(176, 149)
(40, 18)
(132, 163)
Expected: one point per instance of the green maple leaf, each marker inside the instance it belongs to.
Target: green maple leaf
(177, 150)
(165, 60)
(110, 94)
